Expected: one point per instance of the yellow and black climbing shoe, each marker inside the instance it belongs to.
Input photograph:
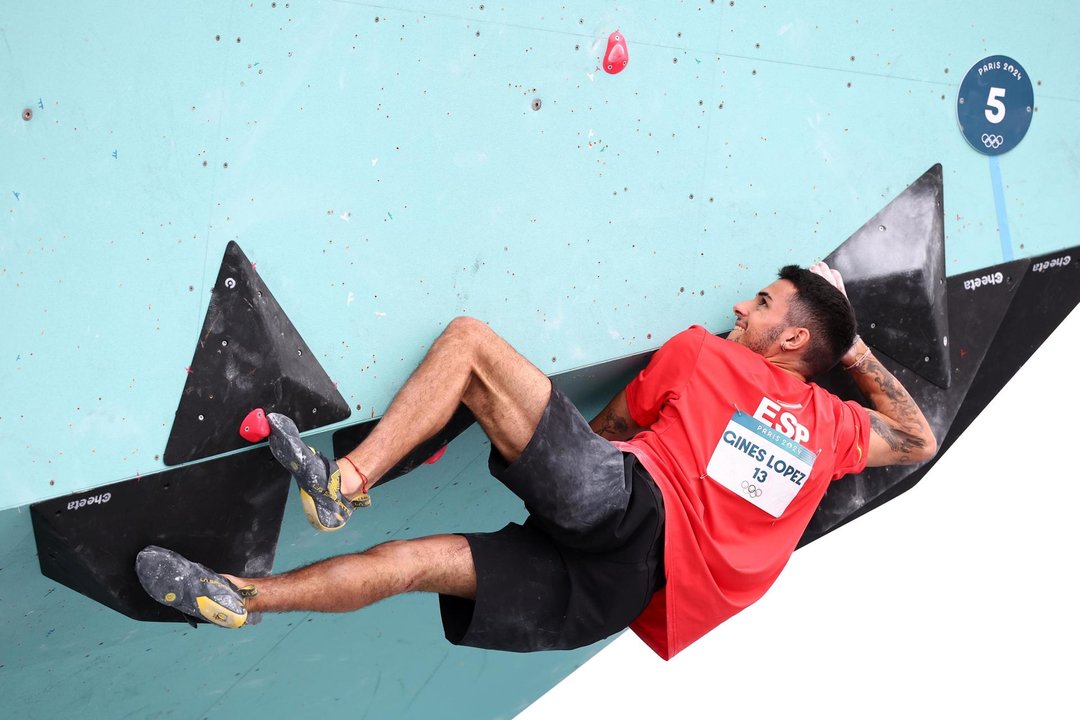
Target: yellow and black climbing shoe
(191, 588)
(318, 478)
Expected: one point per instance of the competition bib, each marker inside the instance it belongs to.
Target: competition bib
(759, 464)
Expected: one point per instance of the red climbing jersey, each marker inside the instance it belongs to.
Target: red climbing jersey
(742, 452)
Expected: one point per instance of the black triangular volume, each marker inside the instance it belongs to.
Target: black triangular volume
(894, 271)
(1048, 292)
(224, 513)
(248, 355)
(978, 304)
(1042, 292)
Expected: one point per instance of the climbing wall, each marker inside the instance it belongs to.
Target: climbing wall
(381, 170)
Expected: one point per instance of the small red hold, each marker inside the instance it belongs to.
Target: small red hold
(255, 426)
(616, 56)
(436, 457)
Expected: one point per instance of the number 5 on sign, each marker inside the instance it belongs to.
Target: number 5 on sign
(994, 105)
(995, 109)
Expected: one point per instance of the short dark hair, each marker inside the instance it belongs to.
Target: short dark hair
(825, 312)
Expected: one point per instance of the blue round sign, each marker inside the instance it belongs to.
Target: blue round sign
(995, 105)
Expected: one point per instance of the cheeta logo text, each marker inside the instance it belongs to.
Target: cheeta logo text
(995, 279)
(92, 500)
(1056, 262)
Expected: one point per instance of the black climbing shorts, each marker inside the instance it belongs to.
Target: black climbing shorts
(586, 561)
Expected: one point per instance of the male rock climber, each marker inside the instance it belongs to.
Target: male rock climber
(674, 509)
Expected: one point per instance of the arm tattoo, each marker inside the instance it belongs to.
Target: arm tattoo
(611, 425)
(900, 422)
(900, 441)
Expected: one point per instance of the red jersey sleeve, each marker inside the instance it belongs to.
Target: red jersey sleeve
(852, 438)
(665, 376)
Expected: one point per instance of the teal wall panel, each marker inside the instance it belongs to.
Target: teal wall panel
(385, 169)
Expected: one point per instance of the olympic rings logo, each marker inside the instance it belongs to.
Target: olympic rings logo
(992, 141)
(751, 489)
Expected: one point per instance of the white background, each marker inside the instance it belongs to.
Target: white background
(957, 598)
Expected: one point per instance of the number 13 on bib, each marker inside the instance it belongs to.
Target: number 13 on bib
(759, 464)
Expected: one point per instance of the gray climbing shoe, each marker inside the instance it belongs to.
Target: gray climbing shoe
(317, 477)
(191, 588)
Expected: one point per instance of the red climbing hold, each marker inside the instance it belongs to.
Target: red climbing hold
(617, 56)
(435, 458)
(255, 426)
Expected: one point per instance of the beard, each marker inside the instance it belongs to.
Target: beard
(760, 342)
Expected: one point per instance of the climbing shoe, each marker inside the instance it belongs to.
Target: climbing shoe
(318, 478)
(191, 588)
